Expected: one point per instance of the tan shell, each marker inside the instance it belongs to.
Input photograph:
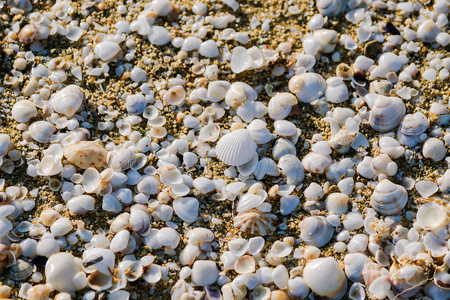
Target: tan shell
(86, 154)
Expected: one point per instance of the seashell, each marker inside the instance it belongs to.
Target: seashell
(27, 34)
(86, 154)
(5, 144)
(203, 185)
(280, 276)
(431, 216)
(236, 148)
(255, 223)
(41, 131)
(232, 291)
(68, 100)
(260, 293)
(245, 265)
(217, 90)
(121, 159)
(331, 8)
(280, 105)
(23, 111)
(292, 168)
(328, 40)
(91, 180)
(282, 147)
(337, 203)
(357, 292)
(248, 201)
(280, 249)
(209, 133)
(175, 96)
(107, 51)
(285, 128)
(168, 237)
(411, 128)
(148, 185)
(136, 104)
(383, 164)
(186, 209)
(24, 5)
(39, 292)
(325, 278)
(316, 163)
(139, 221)
(204, 272)
(307, 86)
(336, 90)
(386, 113)
(428, 31)
(170, 175)
(298, 288)
(389, 198)
(238, 247)
(313, 192)
(354, 265)
(266, 166)
(248, 168)
(60, 271)
(434, 149)
(288, 204)
(259, 132)
(239, 93)
(316, 231)
(21, 270)
(80, 204)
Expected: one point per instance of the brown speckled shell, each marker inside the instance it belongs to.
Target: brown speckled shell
(86, 154)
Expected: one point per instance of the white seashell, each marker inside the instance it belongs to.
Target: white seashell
(255, 245)
(61, 270)
(328, 40)
(208, 49)
(438, 247)
(236, 148)
(238, 93)
(325, 278)
(428, 31)
(336, 90)
(313, 192)
(5, 144)
(61, 227)
(186, 209)
(284, 128)
(204, 272)
(307, 86)
(80, 204)
(386, 113)
(357, 292)
(240, 60)
(298, 288)
(175, 96)
(120, 241)
(86, 154)
(245, 265)
(261, 293)
(280, 249)
(316, 231)
(23, 111)
(238, 247)
(136, 104)
(255, 223)
(248, 201)
(266, 166)
(68, 100)
(431, 215)
(107, 51)
(41, 131)
(434, 149)
(337, 203)
(288, 204)
(249, 167)
(280, 105)
(354, 265)
(292, 168)
(217, 90)
(426, 188)
(411, 127)
(139, 221)
(209, 133)
(259, 132)
(204, 185)
(148, 185)
(382, 164)
(316, 163)
(104, 266)
(280, 276)
(91, 180)
(170, 175)
(283, 147)
(331, 8)
(389, 198)
(168, 237)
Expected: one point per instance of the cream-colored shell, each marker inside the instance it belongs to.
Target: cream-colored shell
(386, 113)
(307, 86)
(68, 100)
(389, 198)
(86, 154)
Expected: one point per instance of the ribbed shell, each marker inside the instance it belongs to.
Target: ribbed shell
(316, 231)
(414, 124)
(255, 223)
(236, 148)
(389, 198)
(68, 100)
(121, 159)
(386, 113)
(307, 86)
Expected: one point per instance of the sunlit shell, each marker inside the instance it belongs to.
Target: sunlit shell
(204, 272)
(248, 201)
(27, 34)
(236, 148)
(316, 231)
(354, 265)
(107, 51)
(283, 147)
(255, 222)
(292, 168)
(245, 265)
(336, 91)
(136, 104)
(41, 131)
(434, 149)
(60, 270)
(86, 154)
(386, 113)
(307, 87)
(238, 93)
(80, 204)
(175, 95)
(68, 100)
(328, 40)
(23, 111)
(186, 208)
(139, 221)
(325, 278)
(266, 166)
(259, 132)
(280, 105)
(431, 215)
(38, 292)
(121, 159)
(316, 163)
(389, 198)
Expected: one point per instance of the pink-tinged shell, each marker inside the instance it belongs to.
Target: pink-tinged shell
(255, 223)
(86, 154)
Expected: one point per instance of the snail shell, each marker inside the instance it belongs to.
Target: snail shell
(307, 86)
(316, 231)
(389, 198)
(386, 113)
(68, 100)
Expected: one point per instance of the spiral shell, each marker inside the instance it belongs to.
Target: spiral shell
(386, 113)
(389, 198)
(307, 86)
(68, 100)
(121, 159)
(292, 168)
(86, 154)
(316, 231)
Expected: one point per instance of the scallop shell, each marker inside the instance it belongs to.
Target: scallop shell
(255, 223)
(307, 86)
(236, 148)
(121, 159)
(386, 113)
(248, 201)
(41, 131)
(86, 154)
(292, 168)
(68, 100)
(316, 231)
(280, 105)
(23, 111)
(389, 198)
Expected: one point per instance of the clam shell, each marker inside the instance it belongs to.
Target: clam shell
(431, 215)
(389, 198)
(60, 270)
(307, 86)
(21, 270)
(292, 168)
(68, 100)
(354, 265)
(204, 272)
(186, 209)
(316, 163)
(41, 131)
(266, 166)
(325, 278)
(386, 113)
(331, 8)
(23, 111)
(280, 105)
(236, 148)
(259, 132)
(316, 231)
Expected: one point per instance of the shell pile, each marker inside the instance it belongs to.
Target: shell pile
(224, 150)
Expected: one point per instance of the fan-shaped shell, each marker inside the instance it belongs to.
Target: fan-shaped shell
(23, 111)
(307, 86)
(236, 148)
(388, 198)
(280, 105)
(292, 168)
(316, 231)
(255, 222)
(248, 201)
(386, 113)
(68, 100)
(86, 154)
(41, 131)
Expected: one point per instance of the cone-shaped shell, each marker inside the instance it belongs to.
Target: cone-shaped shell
(389, 198)
(236, 148)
